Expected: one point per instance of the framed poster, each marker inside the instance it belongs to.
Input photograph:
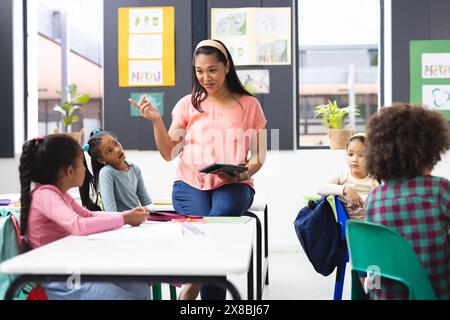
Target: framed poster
(430, 74)
(146, 46)
(254, 36)
(255, 81)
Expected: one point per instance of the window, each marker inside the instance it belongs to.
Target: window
(85, 30)
(338, 60)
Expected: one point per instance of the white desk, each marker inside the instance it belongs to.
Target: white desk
(225, 248)
(262, 263)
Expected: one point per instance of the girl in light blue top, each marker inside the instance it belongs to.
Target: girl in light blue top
(118, 181)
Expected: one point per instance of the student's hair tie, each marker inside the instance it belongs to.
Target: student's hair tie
(86, 147)
(96, 131)
(40, 138)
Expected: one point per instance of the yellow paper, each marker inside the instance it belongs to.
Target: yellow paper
(146, 46)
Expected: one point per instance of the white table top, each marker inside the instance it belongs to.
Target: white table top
(224, 248)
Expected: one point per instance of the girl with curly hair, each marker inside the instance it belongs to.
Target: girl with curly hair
(405, 142)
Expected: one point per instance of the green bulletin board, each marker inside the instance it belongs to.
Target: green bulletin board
(430, 74)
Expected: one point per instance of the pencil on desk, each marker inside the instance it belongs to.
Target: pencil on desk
(192, 228)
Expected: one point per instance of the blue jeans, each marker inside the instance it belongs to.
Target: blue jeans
(227, 200)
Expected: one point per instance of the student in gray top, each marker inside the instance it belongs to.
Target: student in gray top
(119, 182)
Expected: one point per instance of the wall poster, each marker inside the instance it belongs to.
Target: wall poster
(146, 46)
(254, 36)
(430, 74)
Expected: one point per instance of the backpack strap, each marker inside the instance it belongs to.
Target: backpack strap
(17, 228)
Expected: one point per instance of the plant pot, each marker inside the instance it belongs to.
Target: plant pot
(76, 135)
(339, 137)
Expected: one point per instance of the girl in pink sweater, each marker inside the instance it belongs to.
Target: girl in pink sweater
(49, 213)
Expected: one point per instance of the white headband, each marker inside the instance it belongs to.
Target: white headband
(214, 44)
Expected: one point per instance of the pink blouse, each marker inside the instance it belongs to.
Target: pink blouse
(218, 135)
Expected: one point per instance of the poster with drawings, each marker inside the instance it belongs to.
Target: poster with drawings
(254, 36)
(429, 65)
(145, 46)
(145, 72)
(146, 21)
(231, 24)
(271, 51)
(436, 66)
(238, 50)
(272, 22)
(255, 81)
(436, 96)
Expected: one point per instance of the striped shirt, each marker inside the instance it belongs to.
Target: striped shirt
(418, 209)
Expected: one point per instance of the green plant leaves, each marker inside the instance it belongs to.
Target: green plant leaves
(68, 120)
(72, 89)
(68, 108)
(332, 115)
(83, 98)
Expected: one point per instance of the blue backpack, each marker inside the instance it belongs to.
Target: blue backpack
(320, 236)
(10, 246)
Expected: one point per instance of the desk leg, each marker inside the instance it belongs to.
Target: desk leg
(258, 254)
(250, 295)
(218, 281)
(266, 244)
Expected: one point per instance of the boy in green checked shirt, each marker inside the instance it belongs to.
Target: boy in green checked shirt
(404, 144)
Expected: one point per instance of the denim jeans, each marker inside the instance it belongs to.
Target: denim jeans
(98, 291)
(228, 200)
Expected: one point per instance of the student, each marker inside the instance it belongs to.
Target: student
(404, 144)
(120, 182)
(351, 184)
(49, 213)
(220, 122)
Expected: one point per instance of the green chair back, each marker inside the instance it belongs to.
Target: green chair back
(373, 244)
(157, 292)
(329, 198)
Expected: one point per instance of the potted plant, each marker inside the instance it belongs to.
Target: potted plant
(332, 119)
(71, 102)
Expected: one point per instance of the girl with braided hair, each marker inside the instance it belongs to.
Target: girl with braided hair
(48, 213)
(118, 181)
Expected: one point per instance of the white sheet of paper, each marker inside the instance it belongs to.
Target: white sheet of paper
(144, 231)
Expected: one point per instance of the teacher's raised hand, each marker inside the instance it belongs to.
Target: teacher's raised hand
(147, 109)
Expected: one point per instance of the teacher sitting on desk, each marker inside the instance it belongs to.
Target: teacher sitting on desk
(220, 122)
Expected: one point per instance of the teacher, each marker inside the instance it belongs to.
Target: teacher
(219, 122)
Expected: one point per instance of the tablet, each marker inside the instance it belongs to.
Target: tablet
(227, 168)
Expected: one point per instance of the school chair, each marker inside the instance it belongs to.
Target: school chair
(157, 292)
(341, 217)
(10, 245)
(383, 250)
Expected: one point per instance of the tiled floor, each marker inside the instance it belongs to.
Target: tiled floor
(292, 277)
